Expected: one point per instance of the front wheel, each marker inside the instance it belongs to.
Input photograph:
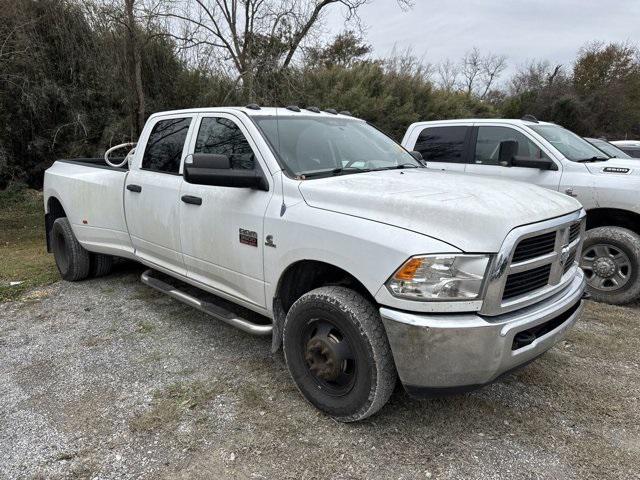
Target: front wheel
(338, 354)
(611, 262)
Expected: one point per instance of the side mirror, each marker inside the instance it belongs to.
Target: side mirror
(508, 151)
(539, 163)
(215, 170)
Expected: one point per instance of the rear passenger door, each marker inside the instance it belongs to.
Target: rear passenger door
(443, 147)
(485, 148)
(152, 192)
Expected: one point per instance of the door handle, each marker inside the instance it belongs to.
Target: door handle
(134, 188)
(569, 191)
(192, 200)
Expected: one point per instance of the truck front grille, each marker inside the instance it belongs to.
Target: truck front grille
(535, 262)
(534, 247)
(527, 281)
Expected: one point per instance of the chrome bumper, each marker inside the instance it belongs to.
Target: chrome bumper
(435, 352)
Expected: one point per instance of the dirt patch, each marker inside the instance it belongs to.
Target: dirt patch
(107, 379)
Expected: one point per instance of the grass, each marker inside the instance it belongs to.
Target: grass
(23, 253)
(170, 405)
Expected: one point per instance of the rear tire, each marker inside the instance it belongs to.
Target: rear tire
(72, 259)
(101, 265)
(338, 354)
(611, 262)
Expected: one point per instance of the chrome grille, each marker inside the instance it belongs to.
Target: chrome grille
(534, 247)
(535, 262)
(525, 282)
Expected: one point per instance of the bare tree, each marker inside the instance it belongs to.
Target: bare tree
(448, 75)
(471, 69)
(135, 63)
(492, 66)
(251, 35)
(480, 72)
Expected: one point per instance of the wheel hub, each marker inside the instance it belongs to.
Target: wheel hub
(604, 267)
(322, 359)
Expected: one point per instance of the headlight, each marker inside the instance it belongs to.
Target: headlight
(440, 277)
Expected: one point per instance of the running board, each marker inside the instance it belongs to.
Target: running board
(206, 307)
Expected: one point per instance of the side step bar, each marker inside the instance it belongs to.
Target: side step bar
(204, 306)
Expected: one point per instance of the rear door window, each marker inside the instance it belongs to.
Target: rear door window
(222, 136)
(443, 144)
(163, 151)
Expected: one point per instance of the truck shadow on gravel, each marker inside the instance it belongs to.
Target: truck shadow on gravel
(109, 378)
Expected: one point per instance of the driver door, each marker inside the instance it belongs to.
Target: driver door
(221, 232)
(485, 149)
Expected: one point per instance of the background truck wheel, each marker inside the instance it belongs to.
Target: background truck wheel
(611, 261)
(100, 265)
(71, 258)
(338, 354)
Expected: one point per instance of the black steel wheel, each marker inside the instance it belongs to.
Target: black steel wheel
(338, 353)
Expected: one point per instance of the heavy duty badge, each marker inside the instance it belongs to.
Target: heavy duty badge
(248, 237)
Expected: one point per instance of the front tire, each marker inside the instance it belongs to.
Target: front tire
(72, 259)
(338, 354)
(611, 262)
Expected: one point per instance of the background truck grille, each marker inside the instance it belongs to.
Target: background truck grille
(527, 281)
(535, 247)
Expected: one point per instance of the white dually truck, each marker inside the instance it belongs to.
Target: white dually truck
(319, 230)
(548, 155)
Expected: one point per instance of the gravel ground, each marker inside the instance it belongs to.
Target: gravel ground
(107, 379)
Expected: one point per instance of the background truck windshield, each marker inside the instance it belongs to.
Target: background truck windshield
(307, 145)
(606, 147)
(572, 146)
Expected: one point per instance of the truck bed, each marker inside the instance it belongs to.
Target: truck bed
(92, 196)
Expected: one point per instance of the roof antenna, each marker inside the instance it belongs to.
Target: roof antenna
(530, 118)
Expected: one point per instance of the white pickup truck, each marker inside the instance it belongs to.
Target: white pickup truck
(317, 229)
(548, 155)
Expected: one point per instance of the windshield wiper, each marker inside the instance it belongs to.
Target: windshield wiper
(592, 159)
(397, 167)
(332, 172)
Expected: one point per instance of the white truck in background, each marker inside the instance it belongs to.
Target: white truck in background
(317, 229)
(548, 155)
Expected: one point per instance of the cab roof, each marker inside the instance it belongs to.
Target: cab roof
(480, 121)
(261, 111)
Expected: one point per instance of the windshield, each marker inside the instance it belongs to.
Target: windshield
(572, 146)
(606, 147)
(331, 146)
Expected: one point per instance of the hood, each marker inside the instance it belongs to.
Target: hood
(471, 213)
(615, 166)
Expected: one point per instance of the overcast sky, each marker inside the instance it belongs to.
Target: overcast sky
(520, 29)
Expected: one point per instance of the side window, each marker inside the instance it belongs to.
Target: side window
(224, 137)
(488, 145)
(164, 147)
(442, 144)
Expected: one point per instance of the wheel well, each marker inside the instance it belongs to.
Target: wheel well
(613, 217)
(54, 207)
(306, 275)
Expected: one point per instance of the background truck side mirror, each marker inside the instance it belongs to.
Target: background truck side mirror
(215, 170)
(508, 150)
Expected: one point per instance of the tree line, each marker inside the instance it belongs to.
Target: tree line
(77, 77)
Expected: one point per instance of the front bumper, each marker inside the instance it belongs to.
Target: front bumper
(436, 352)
